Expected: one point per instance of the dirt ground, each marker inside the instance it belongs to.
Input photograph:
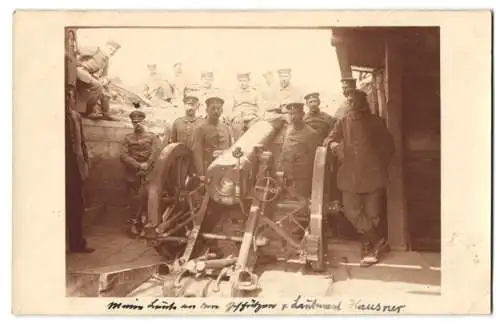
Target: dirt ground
(398, 272)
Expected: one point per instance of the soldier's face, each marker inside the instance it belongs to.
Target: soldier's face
(244, 83)
(284, 81)
(214, 110)
(152, 69)
(207, 82)
(313, 104)
(295, 116)
(352, 102)
(346, 88)
(111, 50)
(178, 68)
(138, 125)
(191, 108)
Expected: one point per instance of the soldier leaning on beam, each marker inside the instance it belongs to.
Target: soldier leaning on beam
(138, 153)
(320, 121)
(364, 147)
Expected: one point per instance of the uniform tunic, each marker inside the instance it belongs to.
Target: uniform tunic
(297, 157)
(245, 106)
(183, 129)
(208, 138)
(321, 122)
(288, 95)
(136, 149)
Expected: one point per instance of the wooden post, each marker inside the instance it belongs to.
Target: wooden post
(396, 199)
(338, 41)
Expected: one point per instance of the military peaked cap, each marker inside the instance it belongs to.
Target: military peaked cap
(295, 105)
(190, 98)
(285, 72)
(137, 115)
(348, 81)
(311, 95)
(207, 74)
(243, 75)
(214, 98)
(114, 44)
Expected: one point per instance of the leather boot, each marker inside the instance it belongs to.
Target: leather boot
(372, 255)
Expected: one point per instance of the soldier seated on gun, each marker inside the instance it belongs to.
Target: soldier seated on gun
(297, 155)
(138, 154)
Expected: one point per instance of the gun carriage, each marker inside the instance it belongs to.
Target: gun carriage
(246, 193)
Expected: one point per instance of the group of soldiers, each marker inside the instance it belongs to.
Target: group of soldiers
(213, 122)
(358, 138)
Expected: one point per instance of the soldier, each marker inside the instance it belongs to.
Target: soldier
(138, 153)
(184, 126)
(320, 121)
(244, 109)
(210, 136)
(77, 165)
(348, 84)
(155, 87)
(364, 146)
(269, 92)
(92, 71)
(298, 151)
(287, 92)
(180, 83)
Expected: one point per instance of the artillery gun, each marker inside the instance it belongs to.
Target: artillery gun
(244, 190)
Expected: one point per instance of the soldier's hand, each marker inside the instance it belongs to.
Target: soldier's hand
(333, 146)
(143, 166)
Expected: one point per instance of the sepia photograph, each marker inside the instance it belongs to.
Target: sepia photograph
(305, 162)
(270, 163)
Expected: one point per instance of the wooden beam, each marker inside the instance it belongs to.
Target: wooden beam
(396, 199)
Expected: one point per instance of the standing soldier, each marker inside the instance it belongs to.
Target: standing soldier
(77, 165)
(364, 146)
(138, 154)
(320, 121)
(92, 72)
(211, 136)
(244, 109)
(180, 84)
(297, 156)
(348, 84)
(184, 126)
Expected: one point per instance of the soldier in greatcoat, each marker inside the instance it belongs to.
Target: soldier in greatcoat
(364, 147)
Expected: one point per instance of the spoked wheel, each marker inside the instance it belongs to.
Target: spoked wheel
(320, 199)
(169, 202)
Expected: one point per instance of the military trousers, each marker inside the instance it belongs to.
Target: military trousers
(363, 209)
(88, 96)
